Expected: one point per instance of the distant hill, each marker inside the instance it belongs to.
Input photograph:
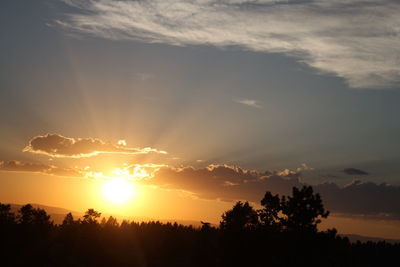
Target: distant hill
(355, 238)
(56, 214)
(49, 209)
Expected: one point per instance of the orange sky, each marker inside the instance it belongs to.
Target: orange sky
(79, 194)
(104, 105)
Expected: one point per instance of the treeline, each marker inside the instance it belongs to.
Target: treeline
(282, 233)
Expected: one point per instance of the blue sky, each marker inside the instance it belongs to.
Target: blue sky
(265, 85)
(59, 79)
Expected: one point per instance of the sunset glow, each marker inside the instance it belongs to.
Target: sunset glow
(176, 110)
(120, 187)
(118, 190)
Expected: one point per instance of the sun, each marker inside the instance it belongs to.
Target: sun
(121, 185)
(119, 190)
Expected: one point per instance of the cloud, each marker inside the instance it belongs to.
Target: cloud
(144, 76)
(249, 102)
(304, 167)
(133, 172)
(56, 145)
(356, 40)
(373, 200)
(231, 183)
(122, 143)
(225, 182)
(18, 166)
(354, 171)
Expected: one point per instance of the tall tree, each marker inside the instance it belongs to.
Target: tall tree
(31, 216)
(91, 217)
(269, 215)
(6, 216)
(26, 214)
(241, 216)
(303, 210)
(68, 220)
(111, 222)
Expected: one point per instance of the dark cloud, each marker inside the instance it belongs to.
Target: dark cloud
(354, 171)
(56, 145)
(225, 182)
(17, 166)
(233, 183)
(369, 199)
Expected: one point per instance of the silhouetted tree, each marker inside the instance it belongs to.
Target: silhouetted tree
(241, 216)
(31, 216)
(41, 217)
(68, 220)
(269, 215)
(26, 214)
(111, 222)
(205, 226)
(125, 224)
(6, 216)
(303, 210)
(300, 212)
(91, 217)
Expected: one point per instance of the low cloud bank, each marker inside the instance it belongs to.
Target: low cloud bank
(56, 145)
(18, 166)
(229, 183)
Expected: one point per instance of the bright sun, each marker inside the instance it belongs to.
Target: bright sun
(118, 190)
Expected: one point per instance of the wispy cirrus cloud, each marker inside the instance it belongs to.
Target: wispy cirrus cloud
(18, 166)
(249, 102)
(56, 145)
(358, 41)
(144, 76)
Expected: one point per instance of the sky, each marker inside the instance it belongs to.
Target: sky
(197, 104)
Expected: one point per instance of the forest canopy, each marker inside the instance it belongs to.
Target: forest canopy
(282, 233)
